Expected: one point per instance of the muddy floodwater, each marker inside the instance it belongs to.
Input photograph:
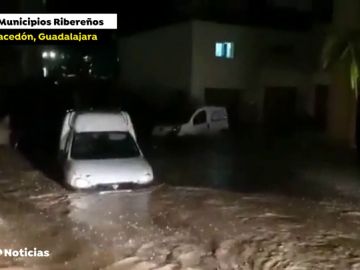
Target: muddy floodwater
(218, 208)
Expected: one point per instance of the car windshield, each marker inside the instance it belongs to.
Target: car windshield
(104, 145)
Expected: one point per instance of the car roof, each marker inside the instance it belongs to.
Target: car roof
(99, 121)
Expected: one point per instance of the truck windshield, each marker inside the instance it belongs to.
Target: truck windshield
(104, 145)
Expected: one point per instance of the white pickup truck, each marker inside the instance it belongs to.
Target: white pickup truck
(100, 150)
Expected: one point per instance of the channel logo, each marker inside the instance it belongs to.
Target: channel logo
(25, 252)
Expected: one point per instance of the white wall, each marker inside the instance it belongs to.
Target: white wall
(159, 59)
(212, 72)
(255, 66)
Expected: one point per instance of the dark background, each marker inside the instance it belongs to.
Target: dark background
(37, 104)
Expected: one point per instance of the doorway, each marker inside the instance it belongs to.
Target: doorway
(321, 106)
(280, 109)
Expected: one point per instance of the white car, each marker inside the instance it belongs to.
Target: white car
(204, 121)
(100, 150)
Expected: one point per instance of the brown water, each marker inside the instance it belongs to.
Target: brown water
(310, 221)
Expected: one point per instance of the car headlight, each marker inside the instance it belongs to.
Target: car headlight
(175, 130)
(80, 182)
(146, 178)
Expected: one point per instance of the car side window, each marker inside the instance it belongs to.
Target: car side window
(200, 118)
(217, 116)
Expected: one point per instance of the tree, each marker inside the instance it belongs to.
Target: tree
(343, 47)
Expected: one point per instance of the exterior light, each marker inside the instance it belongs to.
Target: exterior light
(45, 55)
(49, 55)
(45, 72)
(52, 54)
(87, 58)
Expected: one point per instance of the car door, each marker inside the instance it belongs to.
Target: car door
(218, 120)
(65, 131)
(64, 153)
(200, 123)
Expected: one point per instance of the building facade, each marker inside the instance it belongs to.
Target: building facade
(260, 75)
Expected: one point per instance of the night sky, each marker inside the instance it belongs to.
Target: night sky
(132, 15)
(138, 15)
(144, 14)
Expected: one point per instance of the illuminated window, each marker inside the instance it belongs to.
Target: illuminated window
(224, 50)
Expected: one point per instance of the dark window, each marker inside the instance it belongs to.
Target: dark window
(200, 118)
(218, 116)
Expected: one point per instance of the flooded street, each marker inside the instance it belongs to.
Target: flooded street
(223, 205)
(180, 135)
